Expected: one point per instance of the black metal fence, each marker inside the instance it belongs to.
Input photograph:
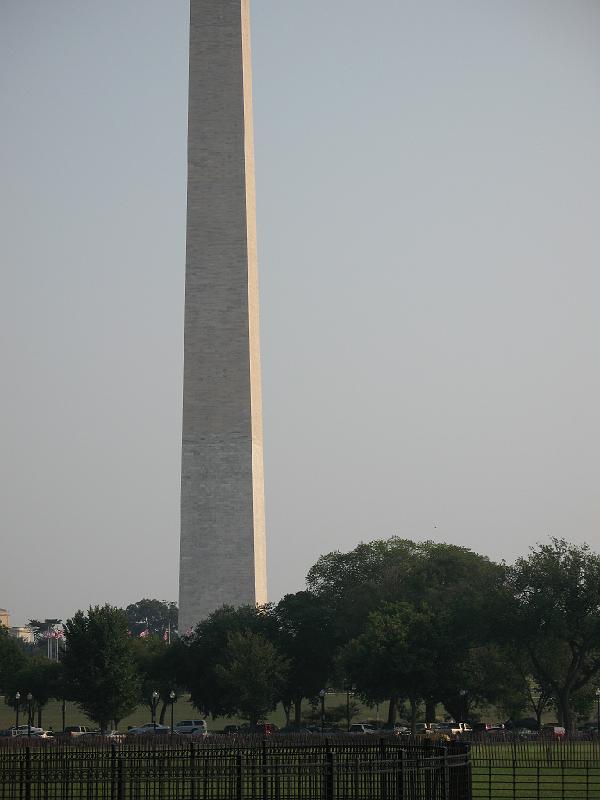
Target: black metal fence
(241, 770)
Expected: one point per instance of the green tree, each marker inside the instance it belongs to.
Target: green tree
(100, 670)
(252, 676)
(552, 612)
(207, 647)
(156, 616)
(159, 666)
(12, 659)
(38, 676)
(458, 586)
(355, 583)
(393, 656)
(304, 630)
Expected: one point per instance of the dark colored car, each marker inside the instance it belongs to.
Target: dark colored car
(262, 729)
(232, 730)
(295, 730)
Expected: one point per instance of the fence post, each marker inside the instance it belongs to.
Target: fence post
(192, 772)
(446, 774)
(400, 775)
(328, 774)
(427, 766)
(27, 773)
(263, 769)
(113, 772)
(383, 769)
(120, 779)
(238, 776)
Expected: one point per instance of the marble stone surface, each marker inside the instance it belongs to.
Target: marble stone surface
(222, 557)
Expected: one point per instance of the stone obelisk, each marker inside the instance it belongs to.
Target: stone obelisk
(223, 545)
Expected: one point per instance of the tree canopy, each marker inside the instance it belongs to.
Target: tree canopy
(100, 670)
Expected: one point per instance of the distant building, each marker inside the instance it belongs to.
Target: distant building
(25, 634)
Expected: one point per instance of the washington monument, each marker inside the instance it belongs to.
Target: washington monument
(222, 494)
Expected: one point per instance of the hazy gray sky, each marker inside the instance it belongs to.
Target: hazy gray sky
(428, 182)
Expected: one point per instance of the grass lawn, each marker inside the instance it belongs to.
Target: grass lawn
(536, 770)
(52, 715)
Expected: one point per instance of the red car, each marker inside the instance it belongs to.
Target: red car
(265, 729)
(553, 732)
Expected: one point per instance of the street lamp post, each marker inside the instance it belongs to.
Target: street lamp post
(29, 699)
(322, 696)
(172, 699)
(154, 704)
(598, 713)
(463, 705)
(18, 702)
(348, 708)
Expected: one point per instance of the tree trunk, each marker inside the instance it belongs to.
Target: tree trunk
(39, 717)
(430, 710)
(539, 710)
(392, 709)
(298, 711)
(414, 707)
(163, 711)
(564, 709)
(287, 710)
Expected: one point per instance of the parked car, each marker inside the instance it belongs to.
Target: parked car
(485, 727)
(395, 729)
(295, 730)
(114, 736)
(327, 729)
(186, 726)
(76, 730)
(232, 730)
(25, 730)
(264, 729)
(553, 731)
(361, 728)
(454, 728)
(432, 731)
(44, 735)
(149, 730)
(525, 722)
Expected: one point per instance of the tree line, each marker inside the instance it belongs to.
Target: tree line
(410, 624)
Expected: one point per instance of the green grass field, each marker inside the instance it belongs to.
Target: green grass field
(52, 715)
(539, 771)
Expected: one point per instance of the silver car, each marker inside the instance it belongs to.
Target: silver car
(195, 727)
